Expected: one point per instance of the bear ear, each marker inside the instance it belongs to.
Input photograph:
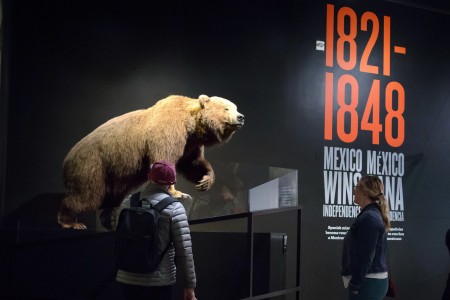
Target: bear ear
(203, 100)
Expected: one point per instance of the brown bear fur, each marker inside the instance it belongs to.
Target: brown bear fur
(114, 159)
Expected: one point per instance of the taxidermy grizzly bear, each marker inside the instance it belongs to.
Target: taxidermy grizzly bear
(114, 160)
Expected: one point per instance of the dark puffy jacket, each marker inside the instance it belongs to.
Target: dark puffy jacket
(365, 247)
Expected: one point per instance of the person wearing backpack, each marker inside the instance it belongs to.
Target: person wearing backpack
(175, 244)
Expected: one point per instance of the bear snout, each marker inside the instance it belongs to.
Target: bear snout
(240, 119)
(236, 121)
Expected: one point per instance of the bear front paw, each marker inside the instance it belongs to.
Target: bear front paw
(204, 184)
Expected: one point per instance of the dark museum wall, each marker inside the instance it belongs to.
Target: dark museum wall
(69, 66)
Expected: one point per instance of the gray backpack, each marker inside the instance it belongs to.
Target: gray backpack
(136, 241)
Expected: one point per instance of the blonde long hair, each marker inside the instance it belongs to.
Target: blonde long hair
(373, 188)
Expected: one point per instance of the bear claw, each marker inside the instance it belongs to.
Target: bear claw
(74, 225)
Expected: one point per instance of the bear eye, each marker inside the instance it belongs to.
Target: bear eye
(226, 109)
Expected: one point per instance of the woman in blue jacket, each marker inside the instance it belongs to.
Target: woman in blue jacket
(364, 268)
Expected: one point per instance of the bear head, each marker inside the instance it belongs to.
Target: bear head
(219, 118)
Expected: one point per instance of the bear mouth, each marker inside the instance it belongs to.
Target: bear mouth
(236, 125)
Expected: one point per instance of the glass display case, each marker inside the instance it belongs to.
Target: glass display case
(245, 232)
(241, 188)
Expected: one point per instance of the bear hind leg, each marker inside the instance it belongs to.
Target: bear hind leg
(71, 207)
(67, 218)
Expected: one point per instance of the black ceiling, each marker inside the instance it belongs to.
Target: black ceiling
(440, 6)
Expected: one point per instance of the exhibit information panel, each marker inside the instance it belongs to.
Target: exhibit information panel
(364, 104)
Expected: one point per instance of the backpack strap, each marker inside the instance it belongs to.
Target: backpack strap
(163, 200)
(135, 200)
(159, 207)
(164, 203)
